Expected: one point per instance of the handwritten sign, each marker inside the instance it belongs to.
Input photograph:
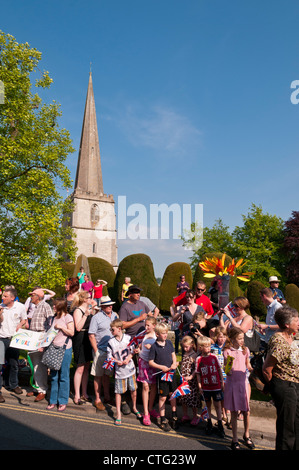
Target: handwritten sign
(32, 340)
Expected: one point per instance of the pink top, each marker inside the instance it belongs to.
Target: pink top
(61, 336)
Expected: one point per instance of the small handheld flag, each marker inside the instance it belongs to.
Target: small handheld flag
(108, 364)
(181, 391)
(168, 376)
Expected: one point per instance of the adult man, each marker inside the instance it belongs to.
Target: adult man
(134, 312)
(277, 293)
(272, 305)
(40, 321)
(202, 299)
(30, 307)
(99, 335)
(153, 308)
(14, 318)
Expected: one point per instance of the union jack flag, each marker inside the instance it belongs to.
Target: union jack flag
(108, 364)
(182, 390)
(204, 414)
(168, 376)
(137, 339)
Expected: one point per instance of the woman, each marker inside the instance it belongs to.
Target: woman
(97, 290)
(72, 288)
(60, 379)
(187, 312)
(83, 309)
(281, 370)
(242, 320)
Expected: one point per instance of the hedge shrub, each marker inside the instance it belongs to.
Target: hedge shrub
(292, 295)
(257, 308)
(169, 282)
(139, 268)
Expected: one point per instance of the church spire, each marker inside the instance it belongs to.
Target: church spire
(89, 172)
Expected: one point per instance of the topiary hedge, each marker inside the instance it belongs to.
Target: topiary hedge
(169, 282)
(292, 296)
(101, 269)
(257, 308)
(139, 268)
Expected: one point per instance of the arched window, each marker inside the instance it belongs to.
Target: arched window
(95, 214)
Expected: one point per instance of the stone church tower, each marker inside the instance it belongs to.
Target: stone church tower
(93, 219)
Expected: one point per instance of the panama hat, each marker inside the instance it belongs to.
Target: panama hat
(274, 279)
(105, 300)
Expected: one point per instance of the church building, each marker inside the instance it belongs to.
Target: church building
(93, 219)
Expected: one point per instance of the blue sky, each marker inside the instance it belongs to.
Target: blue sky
(193, 100)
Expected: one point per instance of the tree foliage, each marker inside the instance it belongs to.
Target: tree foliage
(33, 150)
(291, 247)
(259, 241)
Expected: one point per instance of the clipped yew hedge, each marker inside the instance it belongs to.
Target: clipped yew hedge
(257, 308)
(292, 295)
(140, 269)
(169, 282)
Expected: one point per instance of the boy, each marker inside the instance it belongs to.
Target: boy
(210, 382)
(162, 357)
(125, 377)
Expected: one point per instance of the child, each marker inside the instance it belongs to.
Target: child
(149, 387)
(210, 382)
(162, 357)
(125, 377)
(220, 337)
(192, 400)
(236, 395)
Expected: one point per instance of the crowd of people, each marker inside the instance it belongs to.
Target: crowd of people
(132, 346)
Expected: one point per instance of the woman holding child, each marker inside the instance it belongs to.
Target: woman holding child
(187, 312)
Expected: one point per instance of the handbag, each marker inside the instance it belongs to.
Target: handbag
(253, 342)
(53, 355)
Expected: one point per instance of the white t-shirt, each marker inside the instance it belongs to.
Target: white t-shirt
(11, 318)
(119, 350)
(144, 353)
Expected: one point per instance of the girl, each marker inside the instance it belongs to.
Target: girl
(60, 379)
(191, 400)
(236, 396)
(146, 372)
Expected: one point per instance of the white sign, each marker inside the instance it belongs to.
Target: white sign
(32, 340)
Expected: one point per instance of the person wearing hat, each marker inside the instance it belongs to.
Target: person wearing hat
(133, 312)
(40, 321)
(99, 335)
(277, 293)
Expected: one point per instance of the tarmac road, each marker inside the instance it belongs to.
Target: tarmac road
(27, 425)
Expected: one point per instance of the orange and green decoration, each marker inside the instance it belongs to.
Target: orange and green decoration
(215, 267)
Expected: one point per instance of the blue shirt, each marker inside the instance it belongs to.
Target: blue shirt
(100, 327)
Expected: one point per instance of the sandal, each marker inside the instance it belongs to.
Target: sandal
(235, 446)
(137, 414)
(50, 407)
(61, 407)
(79, 402)
(195, 421)
(248, 442)
(117, 422)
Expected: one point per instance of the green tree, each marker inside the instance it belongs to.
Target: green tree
(33, 150)
(260, 242)
(215, 239)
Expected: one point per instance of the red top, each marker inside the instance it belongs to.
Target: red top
(208, 368)
(98, 291)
